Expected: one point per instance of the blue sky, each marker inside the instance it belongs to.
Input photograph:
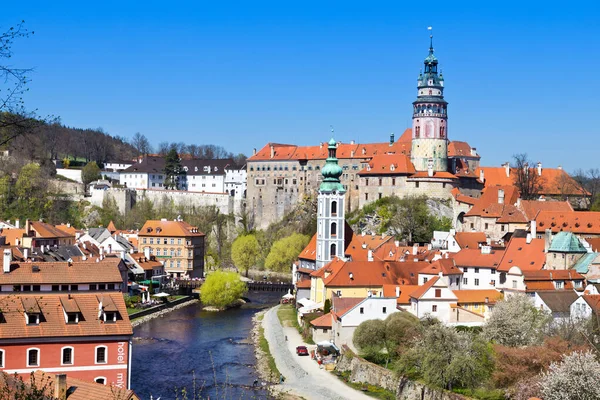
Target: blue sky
(241, 74)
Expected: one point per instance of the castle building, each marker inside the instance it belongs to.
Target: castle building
(330, 211)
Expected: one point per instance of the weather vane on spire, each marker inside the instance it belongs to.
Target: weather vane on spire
(430, 29)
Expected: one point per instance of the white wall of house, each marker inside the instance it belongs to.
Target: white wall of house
(514, 283)
(479, 278)
(434, 303)
(580, 309)
(235, 180)
(454, 282)
(112, 246)
(206, 183)
(115, 166)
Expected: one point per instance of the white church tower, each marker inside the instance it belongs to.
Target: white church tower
(330, 211)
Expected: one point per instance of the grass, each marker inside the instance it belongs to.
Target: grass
(370, 390)
(482, 394)
(132, 310)
(287, 316)
(264, 346)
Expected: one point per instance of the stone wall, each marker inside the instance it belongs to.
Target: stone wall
(365, 372)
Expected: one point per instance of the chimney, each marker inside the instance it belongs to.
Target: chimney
(397, 243)
(500, 196)
(429, 246)
(131, 251)
(147, 252)
(7, 260)
(415, 249)
(539, 168)
(83, 258)
(391, 139)
(397, 291)
(430, 168)
(27, 226)
(351, 276)
(560, 167)
(17, 224)
(123, 255)
(254, 151)
(473, 152)
(506, 166)
(528, 240)
(533, 228)
(370, 255)
(352, 153)
(60, 387)
(25, 254)
(547, 240)
(352, 142)
(68, 224)
(272, 151)
(481, 175)
(485, 250)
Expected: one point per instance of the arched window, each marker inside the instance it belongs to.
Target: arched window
(67, 356)
(333, 229)
(334, 208)
(332, 252)
(101, 380)
(101, 355)
(33, 357)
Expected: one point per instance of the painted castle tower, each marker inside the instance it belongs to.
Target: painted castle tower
(430, 119)
(330, 211)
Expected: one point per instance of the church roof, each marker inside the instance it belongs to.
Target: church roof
(566, 242)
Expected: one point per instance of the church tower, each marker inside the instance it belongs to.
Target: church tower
(430, 119)
(330, 211)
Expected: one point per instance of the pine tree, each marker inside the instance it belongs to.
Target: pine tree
(173, 170)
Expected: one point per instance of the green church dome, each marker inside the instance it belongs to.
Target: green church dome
(331, 171)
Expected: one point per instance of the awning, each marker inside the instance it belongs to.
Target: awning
(305, 302)
(313, 307)
(162, 294)
(154, 283)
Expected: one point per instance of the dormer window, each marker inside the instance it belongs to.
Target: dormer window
(32, 318)
(110, 317)
(72, 318)
(559, 284)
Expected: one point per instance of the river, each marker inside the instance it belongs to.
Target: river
(169, 350)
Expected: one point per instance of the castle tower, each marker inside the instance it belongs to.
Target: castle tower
(330, 211)
(430, 119)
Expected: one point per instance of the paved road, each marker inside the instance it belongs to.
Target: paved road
(303, 376)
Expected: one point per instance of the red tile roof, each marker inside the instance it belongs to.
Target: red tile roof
(12, 235)
(553, 181)
(56, 273)
(417, 294)
(461, 149)
(531, 208)
(594, 243)
(324, 321)
(341, 305)
(470, 240)
(169, 228)
(552, 275)
(528, 257)
(593, 300)
(475, 258)
(488, 296)
(53, 322)
(487, 205)
(389, 164)
(436, 175)
(303, 284)
(405, 292)
(84, 390)
(47, 231)
(580, 222)
(445, 266)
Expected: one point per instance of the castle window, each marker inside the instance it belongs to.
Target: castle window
(332, 252)
(367, 182)
(393, 181)
(67, 355)
(101, 355)
(379, 196)
(333, 229)
(380, 181)
(417, 185)
(367, 196)
(334, 208)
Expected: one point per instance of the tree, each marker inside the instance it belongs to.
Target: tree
(576, 377)
(222, 289)
(173, 170)
(285, 251)
(90, 173)
(410, 218)
(327, 306)
(163, 148)
(401, 328)
(515, 321)
(527, 180)
(141, 144)
(448, 359)
(31, 192)
(244, 252)
(589, 184)
(369, 337)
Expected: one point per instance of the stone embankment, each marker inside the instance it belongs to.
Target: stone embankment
(159, 311)
(364, 371)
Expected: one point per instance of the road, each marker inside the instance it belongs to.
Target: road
(303, 376)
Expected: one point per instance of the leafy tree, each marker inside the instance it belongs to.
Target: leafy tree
(327, 306)
(90, 173)
(285, 251)
(109, 211)
(576, 377)
(401, 328)
(412, 220)
(515, 321)
(448, 359)
(31, 191)
(173, 170)
(13, 387)
(369, 337)
(222, 289)
(527, 180)
(244, 252)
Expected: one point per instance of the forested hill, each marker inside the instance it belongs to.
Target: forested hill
(41, 141)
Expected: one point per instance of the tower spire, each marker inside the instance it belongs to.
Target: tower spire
(430, 29)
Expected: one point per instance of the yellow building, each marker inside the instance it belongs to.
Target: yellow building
(177, 243)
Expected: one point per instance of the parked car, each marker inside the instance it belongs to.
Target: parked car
(302, 351)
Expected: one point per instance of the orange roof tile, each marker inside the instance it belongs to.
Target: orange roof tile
(461, 149)
(526, 256)
(470, 240)
(303, 284)
(111, 227)
(359, 246)
(389, 164)
(475, 258)
(532, 207)
(593, 300)
(488, 206)
(580, 222)
(51, 273)
(553, 181)
(169, 228)
(405, 292)
(324, 321)
(310, 251)
(144, 263)
(341, 305)
(70, 229)
(53, 322)
(489, 296)
(44, 230)
(445, 266)
(12, 235)
(84, 390)
(552, 275)
(594, 243)
(436, 175)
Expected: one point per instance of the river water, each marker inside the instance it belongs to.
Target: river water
(215, 347)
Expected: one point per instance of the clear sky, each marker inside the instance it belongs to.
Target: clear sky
(520, 76)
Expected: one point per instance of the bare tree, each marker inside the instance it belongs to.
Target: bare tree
(141, 144)
(163, 148)
(527, 180)
(589, 184)
(193, 150)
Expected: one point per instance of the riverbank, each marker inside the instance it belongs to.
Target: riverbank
(161, 310)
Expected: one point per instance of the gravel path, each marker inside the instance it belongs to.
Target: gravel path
(303, 375)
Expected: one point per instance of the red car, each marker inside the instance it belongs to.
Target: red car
(302, 351)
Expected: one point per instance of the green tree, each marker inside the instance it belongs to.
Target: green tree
(109, 211)
(244, 252)
(173, 170)
(222, 289)
(369, 337)
(31, 192)
(327, 306)
(285, 251)
(90, 173)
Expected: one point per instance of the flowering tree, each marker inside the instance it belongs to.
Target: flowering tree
(576, 377)
(515, 322)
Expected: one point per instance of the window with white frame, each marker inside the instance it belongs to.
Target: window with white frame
(33, 357)
(101, 355)
(67, 356)
(101, 380)
(2, 358)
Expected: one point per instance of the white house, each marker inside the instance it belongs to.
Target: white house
(557, 302)
(585, 306)
(458, 241)
(434, 299)
(479, 267)
(117, 166)
(235, 181)
(446, 270)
